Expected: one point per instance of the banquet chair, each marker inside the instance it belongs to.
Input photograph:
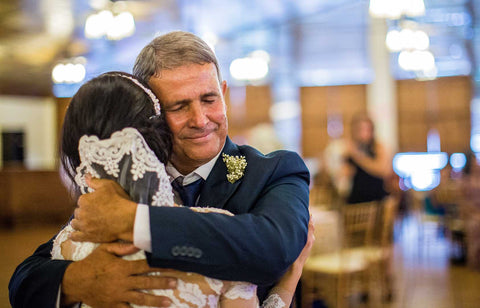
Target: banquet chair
(334, 276)
(380, 253)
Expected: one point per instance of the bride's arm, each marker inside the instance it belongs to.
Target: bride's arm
(281, 295)
(284, 290)
(236, 294)
(63, 248)
(66, 249)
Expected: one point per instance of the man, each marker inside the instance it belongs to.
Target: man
(269, 197)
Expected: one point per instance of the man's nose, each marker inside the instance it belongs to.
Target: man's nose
(198, 116)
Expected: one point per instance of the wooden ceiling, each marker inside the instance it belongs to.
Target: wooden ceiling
(26, 53)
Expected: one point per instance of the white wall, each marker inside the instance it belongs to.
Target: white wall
(36, 117)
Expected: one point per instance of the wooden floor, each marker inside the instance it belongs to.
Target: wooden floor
(423, 274)
(15, 246)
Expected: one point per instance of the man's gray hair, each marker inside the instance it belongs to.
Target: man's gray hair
(170, 51)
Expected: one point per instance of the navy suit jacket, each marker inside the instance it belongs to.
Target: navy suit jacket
(258, 244)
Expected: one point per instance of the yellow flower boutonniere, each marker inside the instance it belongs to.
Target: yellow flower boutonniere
(235, 165)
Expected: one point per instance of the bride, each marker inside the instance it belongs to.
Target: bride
(114, 129)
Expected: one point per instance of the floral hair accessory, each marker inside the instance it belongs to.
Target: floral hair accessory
(155, 101)
(235, 165)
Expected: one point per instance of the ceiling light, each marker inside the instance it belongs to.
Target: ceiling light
(114, 27)
(70, 71)
(97, 24)
(249, 69)
(394, 9)
(122, 26)
(417, 60)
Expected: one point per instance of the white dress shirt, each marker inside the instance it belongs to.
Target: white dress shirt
(141, 230)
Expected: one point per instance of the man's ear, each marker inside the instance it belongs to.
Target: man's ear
(224, 87)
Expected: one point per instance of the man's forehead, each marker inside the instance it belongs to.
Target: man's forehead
(187, 71)
(186, 88)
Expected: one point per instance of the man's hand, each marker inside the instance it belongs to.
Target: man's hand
(105, 215)
(103, 279)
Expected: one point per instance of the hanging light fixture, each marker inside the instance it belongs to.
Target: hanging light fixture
(69, 71)
(113, 21)
(254, 67)
(413, 47)
(394, 9)
(407, 39)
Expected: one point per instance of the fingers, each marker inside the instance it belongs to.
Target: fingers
(92, 182)
(153, 282)
(96, 183)
(108, 185)
(144, 299)
(75, 222)
(139, 267)
(78, 236)
(121, 249)
(123, 305)
(83, 204)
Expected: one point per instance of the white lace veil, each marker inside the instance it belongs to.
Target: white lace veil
(126, 158)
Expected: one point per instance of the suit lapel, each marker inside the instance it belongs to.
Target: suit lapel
(217, 189)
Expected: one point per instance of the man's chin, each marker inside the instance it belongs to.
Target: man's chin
(202, 154)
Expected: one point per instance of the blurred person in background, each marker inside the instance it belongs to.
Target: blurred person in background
(367, 163)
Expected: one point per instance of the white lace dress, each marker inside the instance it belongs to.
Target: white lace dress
(126, 158)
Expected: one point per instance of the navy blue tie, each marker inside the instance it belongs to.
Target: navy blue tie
(188, 193)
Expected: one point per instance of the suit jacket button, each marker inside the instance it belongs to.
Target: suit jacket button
(183, 250)
(197, 253)
(190, 251)
(175, 251)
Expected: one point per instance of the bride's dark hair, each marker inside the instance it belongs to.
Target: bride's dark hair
(106, 104)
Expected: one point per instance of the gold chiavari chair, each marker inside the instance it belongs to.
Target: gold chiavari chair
(331, 276)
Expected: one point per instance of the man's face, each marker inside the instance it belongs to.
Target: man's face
(193, 103)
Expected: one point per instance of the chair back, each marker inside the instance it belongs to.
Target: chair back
(390, 207)
(358, 222)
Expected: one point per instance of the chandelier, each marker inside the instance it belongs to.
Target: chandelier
(394, 9)
(411, 44)
(112, 21)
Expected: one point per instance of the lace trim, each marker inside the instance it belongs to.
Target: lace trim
(109, 152)
(167, 293)
(191, 292)
(82, 249)
(212, 301)
(61, 237)
(214, 284)
(273, 301)
(243, 290)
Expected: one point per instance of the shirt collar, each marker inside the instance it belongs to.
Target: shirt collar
(201, 172)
